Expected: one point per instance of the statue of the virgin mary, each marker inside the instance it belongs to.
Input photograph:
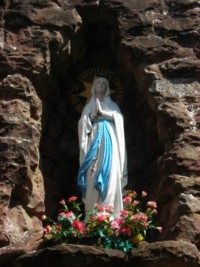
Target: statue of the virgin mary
(103, 169)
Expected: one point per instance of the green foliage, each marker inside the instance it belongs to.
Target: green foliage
(121, 233)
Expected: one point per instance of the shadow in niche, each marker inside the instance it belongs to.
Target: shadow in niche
(94, 46)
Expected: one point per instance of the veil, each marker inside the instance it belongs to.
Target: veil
(107, 100)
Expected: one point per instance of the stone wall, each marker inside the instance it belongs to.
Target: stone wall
(28, 31)
(22, 190)
(152, 46)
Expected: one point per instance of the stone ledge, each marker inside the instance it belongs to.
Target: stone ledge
(158, 254)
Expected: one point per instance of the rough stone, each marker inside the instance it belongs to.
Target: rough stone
(168, 253)
(22, 190)
(27, 51)
(153, 48)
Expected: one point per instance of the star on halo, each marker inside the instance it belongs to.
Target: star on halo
(87, 92)
(88, 87)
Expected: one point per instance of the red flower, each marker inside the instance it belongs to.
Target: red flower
(99, 207)
(72, 199)
(58, 227)
(93, 218)
(125, 231)
(101, 218)
(62, 202)
(127, 200)
(79, 226)
(48, 229)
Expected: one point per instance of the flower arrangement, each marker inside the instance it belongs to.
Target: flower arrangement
(121, 233)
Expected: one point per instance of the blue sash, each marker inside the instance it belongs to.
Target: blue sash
(102, 178)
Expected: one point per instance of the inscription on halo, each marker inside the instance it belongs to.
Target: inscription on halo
(81, 91)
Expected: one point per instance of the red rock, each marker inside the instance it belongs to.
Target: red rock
(21, 179)
(168, 253)
(153, 47)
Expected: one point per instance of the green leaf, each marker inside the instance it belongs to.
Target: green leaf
(100, 233)
(108, 243)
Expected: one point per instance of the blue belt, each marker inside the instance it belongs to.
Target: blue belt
(100, 120)
(102, 178)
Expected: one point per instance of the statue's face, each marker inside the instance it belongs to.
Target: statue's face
(100, 89)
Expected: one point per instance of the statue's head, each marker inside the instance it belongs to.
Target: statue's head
(101, 88)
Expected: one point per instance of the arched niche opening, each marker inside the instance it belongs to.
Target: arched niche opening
(95, 48)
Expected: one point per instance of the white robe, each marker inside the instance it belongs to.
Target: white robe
(118, 171)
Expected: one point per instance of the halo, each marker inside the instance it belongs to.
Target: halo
(85, 80)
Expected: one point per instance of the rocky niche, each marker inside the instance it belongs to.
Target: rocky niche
(50, 52)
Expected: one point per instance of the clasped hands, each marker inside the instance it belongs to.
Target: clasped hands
(98, 111)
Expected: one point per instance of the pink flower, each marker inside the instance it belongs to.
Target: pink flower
(136, 202)
(125, 231)
(79, 226)
(115, 225)
(160, 229)
(127, 200)
(72, 199)
(93, 218)
(62, 202)
(143, 217)
(48, 229)
(152, 204)
(120, 221)
(58, 227)
(124, 213)
(152, 210)
(139, 217)
(108, 208)
(43, 217)
(136, 218)
(68, 215)
(63, 214)
(145, 224)
(144, 194)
